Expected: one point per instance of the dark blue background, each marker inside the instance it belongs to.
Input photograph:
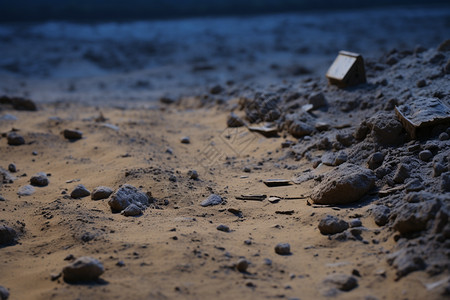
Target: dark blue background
(101, 10)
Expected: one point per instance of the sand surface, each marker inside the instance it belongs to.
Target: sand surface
(174, 249)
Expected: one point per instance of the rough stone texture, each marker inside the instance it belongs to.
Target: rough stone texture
(283, 249)
(131, 211)
(213, 199)
(4, 293)
(15, 139)
(223, 228)
(39, 179)
(83, 269)
(345, 184)
(401, 174)
(26, 190)
(381, 214)
(342, 282)
(299, 129)
(386, 129)
(234, 121)
(72, 134)
(425, 155)
(375, 160)
(332, 225)
(413, 217)
(406, 261)
(126, 195)
(80, 191)
(8, 235)
(317, 100)
(101, 192)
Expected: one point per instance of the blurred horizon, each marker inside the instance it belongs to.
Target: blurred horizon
(116, 10)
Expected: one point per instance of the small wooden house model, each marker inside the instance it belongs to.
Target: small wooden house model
(347, 70)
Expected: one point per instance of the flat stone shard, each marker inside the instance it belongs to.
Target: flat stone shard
(345, 184)
(420, 115)
(347, 70)
(84, 269)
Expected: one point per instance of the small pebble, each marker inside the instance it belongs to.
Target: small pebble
(39, 179)
(79, 191)
(15, 139)
(4, 293)
(120, 263)
(355, 223)
(443, 136)
(421, 83)
(185, 140)
(247, 169)
(425, 155)
(131, 211)
(12, 168)
(26, 190)
(223, 228)
(83, 269)
(193, 174)
(242, 265)
(283, 249)
(101, 192)
(72, 134)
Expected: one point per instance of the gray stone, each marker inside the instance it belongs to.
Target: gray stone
(2, 198)
(317, 100)
(406, 261)
(332, 225)
(80, 191)
(425, 155)
(12, 168)
(283, 249)
(101, 192)
(414, 185)
(445, 182)
(193, 174)
(401, 174)
(234, 121)
(413, 217)
(299, 129)
(386, 129)
(83, 269)
(223, 228)
(131, 211)
(39, 179)
(341, 158)
(26, 190)
(213, 199)
(15, 139)
(342, 282)
(355, 223)
(375, 160)
(438, 169)
(242, 265)
(381, 214)
(8, 235)
(72, 134)
(443, 136)
(345, 184)
(126, 195)
(345, 139)
(328, 158)
(185, 140)
(4, 293)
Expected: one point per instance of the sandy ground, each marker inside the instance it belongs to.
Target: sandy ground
(174, 249)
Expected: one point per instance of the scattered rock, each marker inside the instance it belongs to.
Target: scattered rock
(445, 182)
(2, 198)
(19, 103)
(283, 249)
(362, 131)
(341, 282)
(83, 269)
(12, 168)
(234, 121)
(438, 169)
(26, 190)
(131, 211)
(401, 174)
(4, 293)
(355, 223)
(381, 214)
(101, 192)
(425, 155)
(332, 225)
(341, 157)
(386, 129)
(406, 261)
(8, 235)
(213, 199)
(345, 139)
(414, 185)
(192, 174)
(223, 228)
(15, 139)
(126, 195)
(39, 179)
(242, 265)
(421, 83)
(80, 191)
(317, 100)
(413, 217)
(185, 140)
(72, 134)
(345, 184)
(299, 129)
(375, 160)
(444, 136)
